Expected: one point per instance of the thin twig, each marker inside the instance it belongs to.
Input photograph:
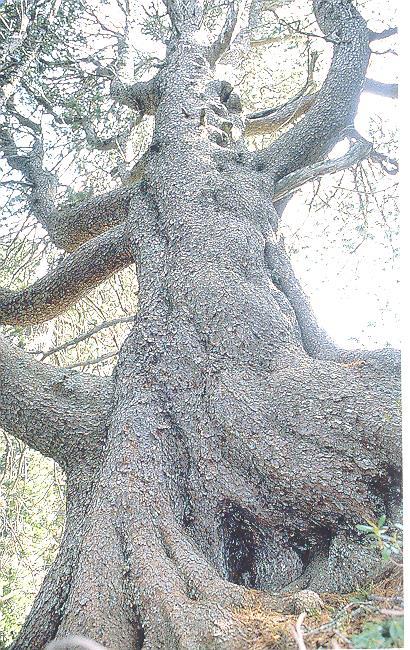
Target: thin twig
(91, 362)
(83, 336)
(298, 632)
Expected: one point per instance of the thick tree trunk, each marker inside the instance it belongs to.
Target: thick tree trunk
(236, 465)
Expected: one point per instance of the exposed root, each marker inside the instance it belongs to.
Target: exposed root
(185, 603)
(331, 626)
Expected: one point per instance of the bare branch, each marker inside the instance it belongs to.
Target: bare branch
(386, 33)
(381, 88)
(22, 119)
(298, 632)
(336, 103)
(359, 151)
(88, 266)
(389, 165)
(52, 410)
(42, 101)
(84, 336)
(222, 43)
(95, 142)
(93, 362)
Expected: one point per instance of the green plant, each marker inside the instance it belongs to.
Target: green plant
(388, 539)
(386, 634)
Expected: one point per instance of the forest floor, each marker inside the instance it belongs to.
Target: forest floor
(369, 618)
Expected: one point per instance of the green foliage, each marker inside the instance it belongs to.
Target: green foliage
(74, 197)
(386, 634)
(386, 538)
(31, 522)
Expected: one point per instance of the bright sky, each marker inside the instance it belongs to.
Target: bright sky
(362, 306)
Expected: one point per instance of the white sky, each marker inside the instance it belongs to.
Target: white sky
(349, 309)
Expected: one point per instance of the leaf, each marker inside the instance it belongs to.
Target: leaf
(381, 521)
(363, 528)
(370, 637)
(396, 631)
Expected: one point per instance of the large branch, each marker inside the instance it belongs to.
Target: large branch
(88, 266)
(73, 225)
(185, 15)
(53, 410)
(358, 152)
(68, 226)
(336, 103)
(222, 43)
(272, 119)
(142, 96)
(43, 183)
(386, 33)
(269, 120)
(315, 340)
(381, 88)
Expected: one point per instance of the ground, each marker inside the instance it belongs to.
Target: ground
(340, 622)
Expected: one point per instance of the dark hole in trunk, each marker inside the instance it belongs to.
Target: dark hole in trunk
(388, 488)
(139, 642)
(241, 538)
(307, 545)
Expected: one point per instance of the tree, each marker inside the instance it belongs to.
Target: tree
(229, 457)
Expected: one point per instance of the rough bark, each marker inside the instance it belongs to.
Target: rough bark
(238, 457)
(73, 277)
(60, 413)
(336, 103)
(73, 225)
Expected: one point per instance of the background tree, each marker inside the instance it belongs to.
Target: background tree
(234, 447)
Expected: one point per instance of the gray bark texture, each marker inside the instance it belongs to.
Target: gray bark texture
(228, 459)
